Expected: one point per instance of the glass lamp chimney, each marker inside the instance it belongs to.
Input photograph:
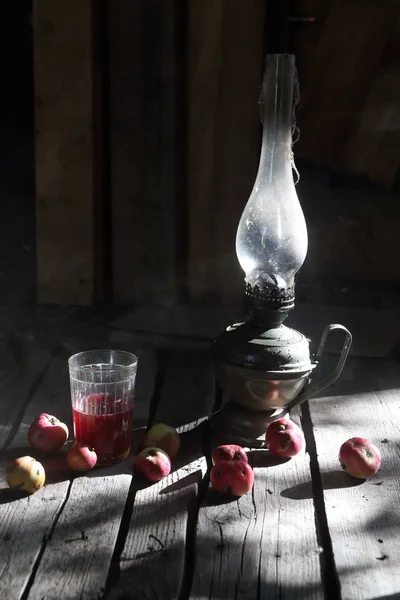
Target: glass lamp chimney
(271, 240)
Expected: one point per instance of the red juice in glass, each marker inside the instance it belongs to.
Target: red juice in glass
(102, 395)
(105, 424)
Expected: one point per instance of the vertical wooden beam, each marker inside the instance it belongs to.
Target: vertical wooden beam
(373, 150)
(182, 8)
(347, 54)
(69, 199)
(226, 59)
(306, 25)
(143, 113)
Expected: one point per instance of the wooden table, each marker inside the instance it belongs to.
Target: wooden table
(307, 530)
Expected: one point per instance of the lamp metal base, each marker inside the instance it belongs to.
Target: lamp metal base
(234, 424)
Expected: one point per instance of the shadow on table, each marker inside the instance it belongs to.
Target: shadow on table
(260, 459)
(330, 480)
(181, 484)
(213, 498)
(8, 495)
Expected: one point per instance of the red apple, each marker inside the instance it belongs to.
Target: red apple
(25, 473)
(282, 424)
(81, 458)
(164, 437)
(47, 433)
(284, 438)
(153, 464)
(285, 443)
(229, 452)
(234, 478)
(359, 458)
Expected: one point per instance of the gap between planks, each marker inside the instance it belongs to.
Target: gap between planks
(363, 516)
(156, 560)
(114, 574)
(263, 544)
(25, 522)
(32, 535)
(77, 557)
(329, 574)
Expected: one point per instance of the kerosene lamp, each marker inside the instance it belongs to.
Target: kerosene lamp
(262, 366)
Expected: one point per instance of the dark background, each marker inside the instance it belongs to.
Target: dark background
(150, 109)
(17, 223)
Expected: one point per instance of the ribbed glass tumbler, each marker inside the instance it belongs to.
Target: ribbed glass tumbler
(102, 395)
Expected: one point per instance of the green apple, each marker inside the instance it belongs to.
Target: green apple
(164, 437)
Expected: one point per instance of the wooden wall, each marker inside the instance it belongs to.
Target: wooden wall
(225, 63)
(144, 169)
(184, 142)
(183, 133)
(349, 61)
(69, 229)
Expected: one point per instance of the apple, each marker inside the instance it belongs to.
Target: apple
(153, 464)
(229, 452)
(286, 442)
(230, 477)
(81, 458)
(25, 473)
(282, 424)
(164, 437)
(359, 458)
(284, 438)
(47, 433)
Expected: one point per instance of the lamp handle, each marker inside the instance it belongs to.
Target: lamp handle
(309, 393)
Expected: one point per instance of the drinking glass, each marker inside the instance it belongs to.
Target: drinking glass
(102, 395)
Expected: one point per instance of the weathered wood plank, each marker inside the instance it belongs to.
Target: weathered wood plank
(204, 66)
(142, 112)
(76, 564)
(363, 517)
(254, 547)
(153, 560)
(77, 557)
(67, 170)
(25, 523)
